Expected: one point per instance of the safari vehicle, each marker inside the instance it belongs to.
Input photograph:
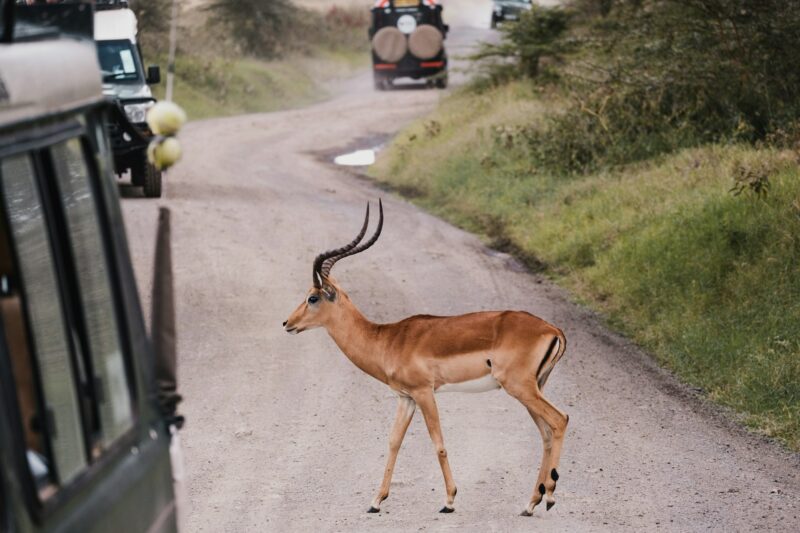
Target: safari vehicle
(408, 42)
(124, 80)
(504, 10)
(87, 402)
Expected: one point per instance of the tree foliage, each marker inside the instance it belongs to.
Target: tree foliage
(537, 34)
(265, 28)
(651, 76)
(153, 18)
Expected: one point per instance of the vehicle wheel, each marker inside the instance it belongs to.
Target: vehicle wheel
(380, 83)
(441, 82)
(151, 183)
(493, 25)
(137, 176)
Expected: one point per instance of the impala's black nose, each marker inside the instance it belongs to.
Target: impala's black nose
(284, 323)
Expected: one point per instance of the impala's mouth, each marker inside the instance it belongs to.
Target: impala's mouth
(291, 331)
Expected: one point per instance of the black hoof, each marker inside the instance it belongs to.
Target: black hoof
(525, 513)
(446, 509)
(373, 510)
(550, 505)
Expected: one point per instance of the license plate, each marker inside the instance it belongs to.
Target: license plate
(406, 3)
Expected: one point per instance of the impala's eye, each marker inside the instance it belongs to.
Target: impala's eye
(313, 299)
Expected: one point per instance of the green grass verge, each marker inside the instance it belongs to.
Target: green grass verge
(707, 281)
(214, 87)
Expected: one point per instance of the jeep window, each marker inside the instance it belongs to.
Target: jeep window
(94, 288)
(63, 456)
(59, 314)
(119, 61)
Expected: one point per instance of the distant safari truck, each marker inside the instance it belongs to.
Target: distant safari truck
(87, 402)
(408, 42)
(125, 80)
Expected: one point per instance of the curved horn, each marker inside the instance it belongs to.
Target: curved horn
(328, 263)
(318, 261)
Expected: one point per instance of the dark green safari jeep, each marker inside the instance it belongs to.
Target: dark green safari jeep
(87, 400)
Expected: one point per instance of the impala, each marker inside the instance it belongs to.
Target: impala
(423, 355)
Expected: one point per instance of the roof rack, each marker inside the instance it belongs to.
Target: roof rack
(101, 5)
(43, 21)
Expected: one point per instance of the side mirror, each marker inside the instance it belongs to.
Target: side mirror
(153, 75)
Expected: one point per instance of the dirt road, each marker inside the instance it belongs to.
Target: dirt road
(285, 434)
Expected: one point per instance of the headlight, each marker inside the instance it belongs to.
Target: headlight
(137, 113)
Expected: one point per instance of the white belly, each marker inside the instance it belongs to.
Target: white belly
(482, 384)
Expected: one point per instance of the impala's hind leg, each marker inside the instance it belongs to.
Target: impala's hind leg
(405, 411)
(547, 447)
(554, 420)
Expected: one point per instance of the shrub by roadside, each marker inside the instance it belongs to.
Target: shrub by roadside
(647, 77)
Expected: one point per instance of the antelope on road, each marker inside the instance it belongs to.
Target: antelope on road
(423, 355)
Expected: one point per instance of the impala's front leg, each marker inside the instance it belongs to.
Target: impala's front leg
(405, 411)
(427, 404)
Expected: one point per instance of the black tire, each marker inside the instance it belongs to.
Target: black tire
(493, 25)
(383, 83)
(151, 183)
(441, 82)
(378, 80)
(137, 176)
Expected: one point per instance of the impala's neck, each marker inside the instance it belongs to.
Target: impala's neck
(357, 338)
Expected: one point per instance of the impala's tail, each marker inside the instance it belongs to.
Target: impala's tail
(554, 353)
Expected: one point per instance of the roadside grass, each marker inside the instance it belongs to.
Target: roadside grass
(215, 77)
(216, 87)
(706, 280)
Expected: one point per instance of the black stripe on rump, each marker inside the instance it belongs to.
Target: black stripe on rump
(547, 356)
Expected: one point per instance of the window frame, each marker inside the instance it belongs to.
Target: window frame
(38, 148)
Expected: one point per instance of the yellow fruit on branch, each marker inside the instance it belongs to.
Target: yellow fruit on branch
(163, 152)
(166, 118)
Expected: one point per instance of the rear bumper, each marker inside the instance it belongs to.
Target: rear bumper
(410, 67)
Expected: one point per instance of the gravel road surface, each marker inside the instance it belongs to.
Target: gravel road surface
(285, 434)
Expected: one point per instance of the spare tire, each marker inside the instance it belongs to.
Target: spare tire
(390, 44)
(426, 42)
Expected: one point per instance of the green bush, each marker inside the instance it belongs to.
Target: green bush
(260, 27)
(647, 77)
(153, 18)
(536, 35)
(270, 29)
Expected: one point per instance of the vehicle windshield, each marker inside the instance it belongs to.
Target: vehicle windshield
(119, 61)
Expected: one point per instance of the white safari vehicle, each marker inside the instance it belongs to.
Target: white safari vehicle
(124, 80)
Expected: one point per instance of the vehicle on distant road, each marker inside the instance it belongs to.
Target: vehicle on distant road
(87, 401)
(508, 10)
(408, 42)
(124, 80)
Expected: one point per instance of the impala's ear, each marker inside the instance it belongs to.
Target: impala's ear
(329, 292)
